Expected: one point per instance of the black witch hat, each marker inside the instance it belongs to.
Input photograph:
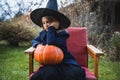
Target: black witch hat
(50, 10)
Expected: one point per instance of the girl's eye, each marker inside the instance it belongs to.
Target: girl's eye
(43, 23)
(46, 22)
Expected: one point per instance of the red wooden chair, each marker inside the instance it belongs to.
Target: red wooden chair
(77, 44)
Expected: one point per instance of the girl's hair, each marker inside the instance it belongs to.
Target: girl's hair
(52, 19)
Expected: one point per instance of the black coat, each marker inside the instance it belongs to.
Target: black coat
(51, 37)
(68, 69)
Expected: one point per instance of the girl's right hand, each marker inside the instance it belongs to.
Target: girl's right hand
(55, 24)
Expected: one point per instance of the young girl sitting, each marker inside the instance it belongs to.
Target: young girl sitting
(54, 24)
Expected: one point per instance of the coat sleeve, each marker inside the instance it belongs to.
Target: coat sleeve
(35, 42)
(38, 39)
(56, 39)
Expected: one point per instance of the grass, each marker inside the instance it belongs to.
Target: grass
(108, 70)
(14, 65)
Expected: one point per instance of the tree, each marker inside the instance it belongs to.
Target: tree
(8, 11)
(108, 13)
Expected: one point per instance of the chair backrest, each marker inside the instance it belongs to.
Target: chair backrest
(77, 43)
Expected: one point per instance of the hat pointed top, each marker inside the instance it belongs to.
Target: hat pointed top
(52, 4)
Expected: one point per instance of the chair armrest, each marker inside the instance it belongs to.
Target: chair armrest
(95, 53)
(29, 50)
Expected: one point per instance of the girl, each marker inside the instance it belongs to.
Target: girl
(54, 34)
(54, 24)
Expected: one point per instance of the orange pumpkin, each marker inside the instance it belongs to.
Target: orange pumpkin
(48, 54)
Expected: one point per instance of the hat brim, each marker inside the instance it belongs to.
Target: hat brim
(37, 14)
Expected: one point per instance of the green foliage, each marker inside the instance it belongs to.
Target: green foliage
(114, 46)
(16, 32)
(115, 40)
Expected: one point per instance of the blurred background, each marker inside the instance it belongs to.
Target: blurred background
(101, 17)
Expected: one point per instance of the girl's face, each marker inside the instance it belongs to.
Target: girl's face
(46, 23)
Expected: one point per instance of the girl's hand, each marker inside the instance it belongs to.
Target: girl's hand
(39, 45)
(55, 24)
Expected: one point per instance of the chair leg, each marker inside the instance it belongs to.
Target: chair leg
(30, 64)
(96, 67)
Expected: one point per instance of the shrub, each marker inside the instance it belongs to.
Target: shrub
(95, 38)
(15, 32)
(114, 46)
